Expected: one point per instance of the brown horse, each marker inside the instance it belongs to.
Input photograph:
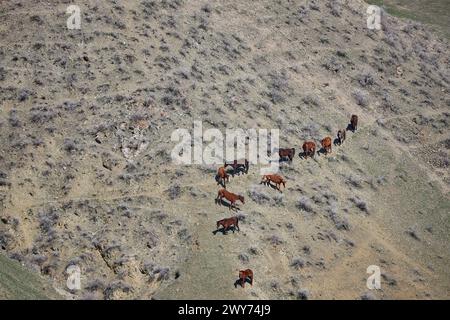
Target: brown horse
(326, 144)
(341, 136)
(223, 193)
(228, 223)
(275, 178)
(244, 275)
(309, 149)
(286, 153)
(354, 122)
(222, 176)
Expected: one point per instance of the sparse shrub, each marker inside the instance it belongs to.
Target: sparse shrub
(111, 290)
(389, 280)
(2, 74)
(306, 249)
(303, 294)
(243, 257)
(361, 98)
(367, 296)
(314, 6)
(333, 65)
(340, 223)
(354, 181)
(257, 195)
(360, 204)
(311, 100)
(304, 203)
(298, 263)
(38, 259)
(335, 8)
(412, 234)
(161, 273)
(275, 240)
(366, 79)
(274, 285)
(95, 285)
(69, 145)
(5, 239)
(184, 235)
(278, 199)
(13, 119)
(174, 192)
(47, 219)
(41, 115)
(23, 95)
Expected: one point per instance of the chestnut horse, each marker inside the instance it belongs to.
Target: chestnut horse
(222, 176)
(309, 149)
(244, 275)
(223, 193)
(275, 178)
(228, 223)
(326, 144)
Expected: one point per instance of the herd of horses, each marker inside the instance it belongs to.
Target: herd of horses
(274, 180)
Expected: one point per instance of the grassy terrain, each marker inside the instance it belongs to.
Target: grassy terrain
(433, 12)
(18, 283)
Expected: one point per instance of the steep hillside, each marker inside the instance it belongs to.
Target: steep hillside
(18, 283)
(86, 176)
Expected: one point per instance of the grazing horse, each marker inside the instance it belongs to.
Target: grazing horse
(341, 136)
(275, 178)
(309, 149)
(222, 176)
(227, 223)
(289, 153)
(244, 275)
(236, 164)
(223, 193)
(326, 144)
(354, 122)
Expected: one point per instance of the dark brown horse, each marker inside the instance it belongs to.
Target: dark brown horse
(354, 122)
(237, 164)
(341, 136)
(286, 153)
(309, 149)
(228, 223)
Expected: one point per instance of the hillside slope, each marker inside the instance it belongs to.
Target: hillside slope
(18, 283)
(75, 103)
